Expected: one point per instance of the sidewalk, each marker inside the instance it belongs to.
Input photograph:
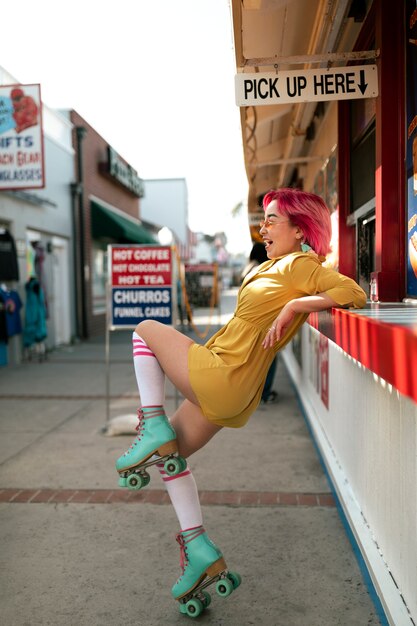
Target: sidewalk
(76, 550)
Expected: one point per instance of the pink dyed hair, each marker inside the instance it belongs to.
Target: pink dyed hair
(308, 212)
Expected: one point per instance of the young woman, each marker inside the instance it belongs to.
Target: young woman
(222, 381)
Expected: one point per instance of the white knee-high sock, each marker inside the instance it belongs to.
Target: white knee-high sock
(149, 374)
(182, 490)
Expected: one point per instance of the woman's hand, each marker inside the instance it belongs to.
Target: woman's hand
(279, 325)
(305, 304)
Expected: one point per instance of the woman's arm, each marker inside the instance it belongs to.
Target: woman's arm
(305, 304)
(310, 277)
(327, 288)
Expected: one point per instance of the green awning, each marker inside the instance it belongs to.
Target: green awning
(108, 224)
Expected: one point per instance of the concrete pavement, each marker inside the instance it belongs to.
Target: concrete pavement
(76, 550)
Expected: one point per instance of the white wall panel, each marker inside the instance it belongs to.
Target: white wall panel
(369, 436)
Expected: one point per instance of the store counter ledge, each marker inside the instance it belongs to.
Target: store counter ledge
(381, 336)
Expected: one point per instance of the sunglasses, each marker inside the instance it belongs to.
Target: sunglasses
(268, 222)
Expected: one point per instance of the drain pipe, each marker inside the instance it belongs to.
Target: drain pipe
(75, 190)
(81, 132)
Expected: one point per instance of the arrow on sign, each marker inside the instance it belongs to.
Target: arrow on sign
(362, 85)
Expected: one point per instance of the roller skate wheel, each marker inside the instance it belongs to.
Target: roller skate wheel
(206, 599)
(173, 467)
(235, 578)
(194, 607)
(137, 481)
(146, 479)
(224, 587)
(122, 481)
(183, 463)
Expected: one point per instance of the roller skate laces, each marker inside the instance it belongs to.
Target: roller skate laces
(202, 565)
(140, 428)
(155, 443)
(182, 541)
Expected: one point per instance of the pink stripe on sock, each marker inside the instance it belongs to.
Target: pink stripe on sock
(168, 478)
(140, 348)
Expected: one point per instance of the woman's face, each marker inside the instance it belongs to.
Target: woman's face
(279, 235)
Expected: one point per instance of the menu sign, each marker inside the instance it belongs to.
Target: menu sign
(140, 284)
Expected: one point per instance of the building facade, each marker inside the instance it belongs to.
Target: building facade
(54, 235)
(40, 222)
(165, 202)
(352, 369)
(106, 195)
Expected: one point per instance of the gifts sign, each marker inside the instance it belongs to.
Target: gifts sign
(21, 138)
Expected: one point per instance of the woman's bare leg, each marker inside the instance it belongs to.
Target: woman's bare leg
(193, 429)
(171, 350)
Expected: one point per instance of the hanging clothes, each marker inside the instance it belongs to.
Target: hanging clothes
(3, 332)
(35, 314)
(9, 267)
(30, 260)
(13, 305)
(3, 326)
(39, 272)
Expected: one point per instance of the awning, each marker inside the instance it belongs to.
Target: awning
(109, 225)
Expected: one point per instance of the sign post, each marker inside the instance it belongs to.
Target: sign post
(140, 287)
(338, 83)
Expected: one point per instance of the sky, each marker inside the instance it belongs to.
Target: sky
(155, 78)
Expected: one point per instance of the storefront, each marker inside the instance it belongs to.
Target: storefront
(64, 195)
(35, 219)
(106, 207)
(353, 370)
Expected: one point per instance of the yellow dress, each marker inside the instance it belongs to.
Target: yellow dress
(227, 374)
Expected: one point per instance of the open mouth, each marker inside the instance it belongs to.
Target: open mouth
(268, 243)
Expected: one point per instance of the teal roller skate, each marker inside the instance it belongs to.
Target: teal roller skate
(156, 442)
(202, 565)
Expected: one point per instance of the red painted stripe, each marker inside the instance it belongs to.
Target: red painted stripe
(387, 350)
(142, 353)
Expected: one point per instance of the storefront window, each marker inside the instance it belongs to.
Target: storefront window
(366, 250)
(362, 186)
(363, 164)
(99, 277)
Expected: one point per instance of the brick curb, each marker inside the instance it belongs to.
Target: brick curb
(160, 496)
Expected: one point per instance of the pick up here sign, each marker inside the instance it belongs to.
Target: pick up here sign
(339, 83)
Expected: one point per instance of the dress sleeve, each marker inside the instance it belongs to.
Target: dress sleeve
(309, 277)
